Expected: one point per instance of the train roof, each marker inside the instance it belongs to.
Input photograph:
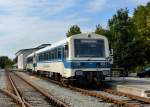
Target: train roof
(30, 55)
(52, 46)
(62, 42)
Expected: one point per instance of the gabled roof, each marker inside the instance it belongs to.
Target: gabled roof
(36, 48)
(23, 50)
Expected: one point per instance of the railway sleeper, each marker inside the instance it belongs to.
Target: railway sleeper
(46, 94)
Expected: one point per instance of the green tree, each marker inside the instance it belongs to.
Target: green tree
(100, 30)
(123, 33)
(75, 29)
(129, 37)
(5, 62)
(105, 32)
(136, 54)
(141, 19)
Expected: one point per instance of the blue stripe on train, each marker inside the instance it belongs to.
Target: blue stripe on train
(75, 65)
(83, 64)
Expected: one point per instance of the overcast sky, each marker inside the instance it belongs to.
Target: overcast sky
(29, 23)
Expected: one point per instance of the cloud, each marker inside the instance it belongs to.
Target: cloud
(26, 32)
(24, 26)
(137, 2)
(100, 5)
(97, 5)
(29, 23)
(35, 7)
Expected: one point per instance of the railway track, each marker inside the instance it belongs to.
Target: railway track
(8, 100)
(111, 96)
(30, 95)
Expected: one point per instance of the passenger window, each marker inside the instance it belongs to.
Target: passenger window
(66, 51)
(59, 53)
(52, 53)
(39, 57)
(55, 53)
(42, 57)
(46, 56)
(49, 57)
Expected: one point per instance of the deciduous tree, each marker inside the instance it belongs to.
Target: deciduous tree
(75, 29)
(5, 62)
(123, 33)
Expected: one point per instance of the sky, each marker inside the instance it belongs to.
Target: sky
(29, 23)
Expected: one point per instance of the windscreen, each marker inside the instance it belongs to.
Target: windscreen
(89, 48)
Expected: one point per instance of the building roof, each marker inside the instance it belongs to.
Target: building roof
(36, 48)
(43, 46)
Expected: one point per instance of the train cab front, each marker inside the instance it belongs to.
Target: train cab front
(91, 72)
(89, 58)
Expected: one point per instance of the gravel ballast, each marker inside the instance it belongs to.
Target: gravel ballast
(3, 80)
(74, 99)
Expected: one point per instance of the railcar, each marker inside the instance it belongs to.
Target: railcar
(83, 57)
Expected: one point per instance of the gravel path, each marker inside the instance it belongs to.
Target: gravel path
(29, 94)
(5, 101)
(3, 80)
(75, 99)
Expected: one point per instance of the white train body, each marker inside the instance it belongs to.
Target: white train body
(77, 56)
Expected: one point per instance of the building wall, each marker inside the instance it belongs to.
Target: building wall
(22, 54)
(22, 59)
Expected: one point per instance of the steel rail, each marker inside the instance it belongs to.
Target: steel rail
(119, 102)
(14, 97)
(145, 100)
(104, 97)
(23, 102)
(101, 96)
(51, 97)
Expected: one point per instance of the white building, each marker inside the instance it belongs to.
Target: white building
(23, 53)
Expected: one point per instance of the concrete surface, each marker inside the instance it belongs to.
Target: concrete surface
(3, 79)
(132, 85)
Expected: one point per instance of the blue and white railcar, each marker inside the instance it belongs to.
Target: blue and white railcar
(82, 56)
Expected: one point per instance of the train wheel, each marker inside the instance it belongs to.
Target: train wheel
(64, 81)
(147, 76)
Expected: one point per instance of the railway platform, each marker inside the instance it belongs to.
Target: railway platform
(132, 85)
(2, 79)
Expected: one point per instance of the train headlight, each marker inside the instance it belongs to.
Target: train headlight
(111, 60)
(79, 72)
(107, 58)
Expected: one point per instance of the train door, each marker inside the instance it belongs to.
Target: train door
(66, 51)
(65, 57)
(34, 62)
